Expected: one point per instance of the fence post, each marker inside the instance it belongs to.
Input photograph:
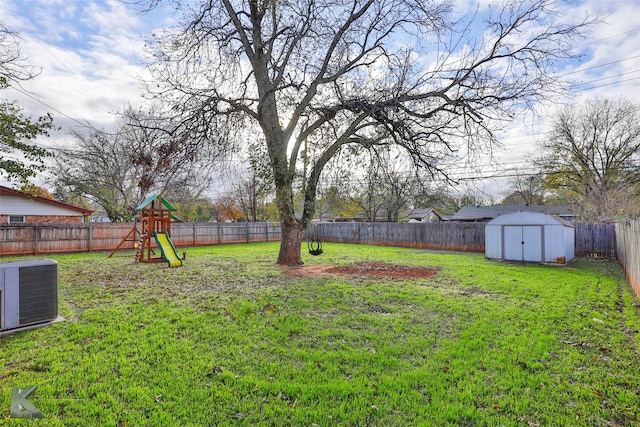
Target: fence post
(89, 239)
(35, 239)
(194, 234)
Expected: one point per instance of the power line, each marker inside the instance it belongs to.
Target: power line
(597, 66)
(609, 37)
(606, 78)
(609, 84)
(24, 92)
(529, 171)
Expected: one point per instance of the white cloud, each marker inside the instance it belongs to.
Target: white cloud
(91, 51)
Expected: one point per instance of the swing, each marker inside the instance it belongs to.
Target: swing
(315, 247)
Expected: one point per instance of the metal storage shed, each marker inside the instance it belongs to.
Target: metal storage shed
(531, 237)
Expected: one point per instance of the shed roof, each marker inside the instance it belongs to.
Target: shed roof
(6, 191)
(529, 218)
(484, 213)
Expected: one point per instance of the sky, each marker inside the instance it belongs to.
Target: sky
(91, 55)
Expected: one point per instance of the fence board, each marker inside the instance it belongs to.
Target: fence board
(596, 240)
(628, 250)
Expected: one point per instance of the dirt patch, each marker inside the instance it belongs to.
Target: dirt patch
(374, 269)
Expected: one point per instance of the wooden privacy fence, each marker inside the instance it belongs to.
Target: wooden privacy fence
(591, 240)
(46, 239)
(458, 236)
(628, 250)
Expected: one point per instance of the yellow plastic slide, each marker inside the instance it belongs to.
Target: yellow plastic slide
(168, 250)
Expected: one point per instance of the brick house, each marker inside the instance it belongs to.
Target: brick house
(18, 208)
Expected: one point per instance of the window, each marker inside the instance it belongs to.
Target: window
(16, 219)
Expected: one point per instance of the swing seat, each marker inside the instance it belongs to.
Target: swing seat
(315, 247)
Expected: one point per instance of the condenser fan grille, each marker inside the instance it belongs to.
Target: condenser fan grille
(38, 293)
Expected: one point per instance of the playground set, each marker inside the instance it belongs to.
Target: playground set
(153, 220)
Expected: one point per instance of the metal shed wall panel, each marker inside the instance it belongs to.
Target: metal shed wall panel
(493, 241)
(532, 243)
(570, 242)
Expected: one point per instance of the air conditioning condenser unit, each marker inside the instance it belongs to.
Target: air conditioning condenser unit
(28, 294)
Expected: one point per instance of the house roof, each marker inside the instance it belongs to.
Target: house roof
(483, 213)
(420, 213)
(6, 191)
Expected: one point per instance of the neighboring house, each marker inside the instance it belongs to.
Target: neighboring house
(100, 217)
(17, 207)
(487, 213)
(424, 215)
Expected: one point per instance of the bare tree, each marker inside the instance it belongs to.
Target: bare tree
(330, 74)
(13, 67)
(250, 197)
(117, 171)
(370, 195)
(251, 186)
(594, 153)
(388, 188)
(399, 190)
(527, 189)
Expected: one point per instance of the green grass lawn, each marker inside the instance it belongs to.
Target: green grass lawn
(230, 339)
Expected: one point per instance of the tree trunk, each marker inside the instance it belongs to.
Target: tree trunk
(290, 243)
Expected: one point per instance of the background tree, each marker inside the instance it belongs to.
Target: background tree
(249, 197)
(593, 152)
(452, 203)
(526, 190)
(227, 210)
(338, 201)
(430, 195)
(370, 194)
(37, 191)
(329, 74)
(389, 189)
(399, 190)
(193, 209)
(119, 170)
(251, 186)
(20, 157)
(338, 193)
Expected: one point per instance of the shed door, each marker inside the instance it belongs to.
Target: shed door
(523, 243)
